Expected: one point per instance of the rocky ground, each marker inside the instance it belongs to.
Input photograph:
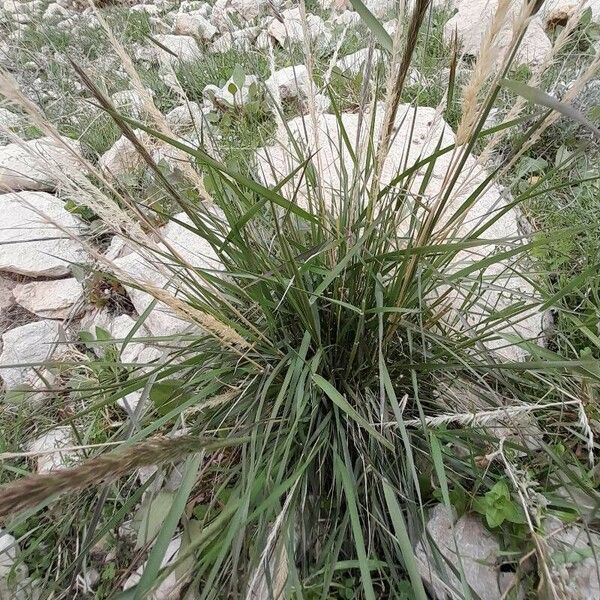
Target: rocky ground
(231, 77)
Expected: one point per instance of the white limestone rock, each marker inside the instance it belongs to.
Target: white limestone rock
(355, 63)
(128, 102)
(346, 18)
(6, 295)
(13, 574)
(289, 82)
(382, 8)
(335, 5)
(291, 31)
(238, 39)
(36, 164)
(473, 19)
(479, 554)
(133, 353)
(170, 587)
(227, 15)
(189, 116)
(150, 9)
(576, 577)
(30, 243)
(322, 103)
(194, 24)
(55, 439)
(202, 8)
(162, 321)
(122, 161)
(49, 299)
(230, 96)
(390, 26)
(33, 343)
(8, 119)
(55, 12)
(184, 47)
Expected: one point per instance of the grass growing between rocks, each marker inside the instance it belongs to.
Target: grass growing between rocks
(355, 354)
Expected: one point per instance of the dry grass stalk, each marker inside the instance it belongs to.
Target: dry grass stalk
(481, 418)
(484, 67)
(30, 491)
(226, 335)
(577, 86)
(312, 109)
(536, 78)
(157, 117)
(398, 72)
(207, 322)
(520, 484)
(108, 206)
(273, 560)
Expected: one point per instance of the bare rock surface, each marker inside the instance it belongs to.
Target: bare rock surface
(6, 292)
(131, 353)
(290, 30)
(575, 565)
(195, 24)
(466, 540)
(196, 251)
(184, 47)
(161, 321)
(473, 19)
(55, 439)
(336, 5)
(346, 18)
(33, 344)
(49, 299)
(355, 63)
(228, 15)
(189, 116)
(289, 82)
(238, 39)
(232, 96)
(36, 164)
(170, 587)
(122, 160)
(12, 572)
(37, 245)
(129, 102)
(8, 119)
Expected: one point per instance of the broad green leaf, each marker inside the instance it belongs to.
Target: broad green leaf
(238, 77)
(102, 335)
(87, 337)
(167, 395)
(149, 518)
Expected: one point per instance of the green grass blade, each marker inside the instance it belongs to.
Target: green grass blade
(152, 569)
(356, 526)
(404, 541)
(371, 21)
(537, 96)
(348, 409)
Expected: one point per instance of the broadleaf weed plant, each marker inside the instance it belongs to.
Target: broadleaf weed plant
(352, 307)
